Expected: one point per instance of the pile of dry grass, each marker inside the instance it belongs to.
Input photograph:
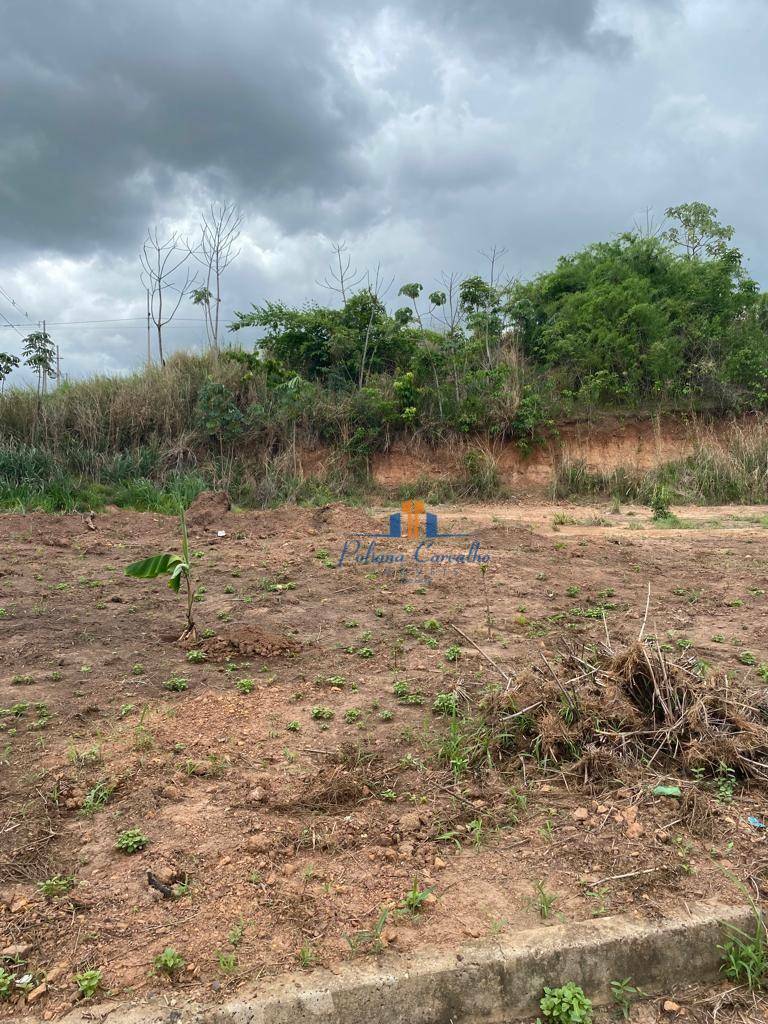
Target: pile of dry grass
(598, 709)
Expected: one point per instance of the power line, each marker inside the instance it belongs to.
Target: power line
(9, 324)
(113, 320)
(16, 306)
(116, 320)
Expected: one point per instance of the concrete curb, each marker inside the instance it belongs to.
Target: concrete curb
(482, 982)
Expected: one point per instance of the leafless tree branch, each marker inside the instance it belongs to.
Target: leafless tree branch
(216, 249)
(161, 261)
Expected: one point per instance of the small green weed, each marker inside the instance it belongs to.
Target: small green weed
(306, 957)
(445, 704)
(131, 841)
(624, 993)
(543, 901)
(745, 957)
(58, 885)
(416, 897)
(227, 962)
(87, 983)
(369, 940)
(169, 962)
(97, 797)
(7, 981)
(566, 1005)
(176, 684)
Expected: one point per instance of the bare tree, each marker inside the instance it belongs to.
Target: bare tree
(160, 263)
(342, 277)
(377, 288)
(219, 234)
(649, 229)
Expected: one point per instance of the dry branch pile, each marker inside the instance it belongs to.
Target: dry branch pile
(597, 709)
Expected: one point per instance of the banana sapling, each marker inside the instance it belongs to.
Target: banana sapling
(177, 567)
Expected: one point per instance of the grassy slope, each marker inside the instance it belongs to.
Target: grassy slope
(139, 442)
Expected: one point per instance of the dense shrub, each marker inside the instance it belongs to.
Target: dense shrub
(634, 323)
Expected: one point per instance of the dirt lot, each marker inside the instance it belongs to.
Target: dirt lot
(293, 781)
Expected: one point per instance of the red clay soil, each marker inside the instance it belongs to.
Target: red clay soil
(292, 792)
(631, 443)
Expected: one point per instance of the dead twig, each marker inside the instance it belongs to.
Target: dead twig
(482, 653)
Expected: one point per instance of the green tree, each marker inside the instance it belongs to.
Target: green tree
(631, 321)
(40, 355)
(8, 364)
(340, 347)
(697, 231)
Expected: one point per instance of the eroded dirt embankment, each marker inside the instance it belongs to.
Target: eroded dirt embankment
(603, 446)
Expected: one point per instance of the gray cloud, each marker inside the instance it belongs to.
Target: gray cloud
(497, 28)
(102, 106)
(418, 132)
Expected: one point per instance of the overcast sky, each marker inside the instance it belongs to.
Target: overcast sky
(419, 133)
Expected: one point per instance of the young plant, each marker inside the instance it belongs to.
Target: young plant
(227, 962)
(176, 684)
(97, 797)
(56, 886)
(87, 983)
(660, 504)
(6, 984)
(235, 933)
(415, 898)
(745, 957)
(178, 567)
(624, 993)
(445, 704)
(169, 962)
(725, 783)
(369, 940)
(566, 1005)
(543, 901)
(131, 841)
(306, 956)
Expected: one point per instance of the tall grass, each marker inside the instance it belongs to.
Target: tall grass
(146, 441)
(731, 467)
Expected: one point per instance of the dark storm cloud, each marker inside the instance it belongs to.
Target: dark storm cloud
(103, 105)
(419, 131)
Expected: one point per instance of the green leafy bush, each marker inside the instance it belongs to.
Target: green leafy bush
(566, 1005)
(131, 841)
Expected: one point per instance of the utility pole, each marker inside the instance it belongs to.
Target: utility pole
(45, 375)
(58, 367)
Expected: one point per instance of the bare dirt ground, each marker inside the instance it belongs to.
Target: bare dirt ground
(295, 783)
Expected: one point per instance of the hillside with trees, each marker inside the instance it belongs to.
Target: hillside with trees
(646, 322)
